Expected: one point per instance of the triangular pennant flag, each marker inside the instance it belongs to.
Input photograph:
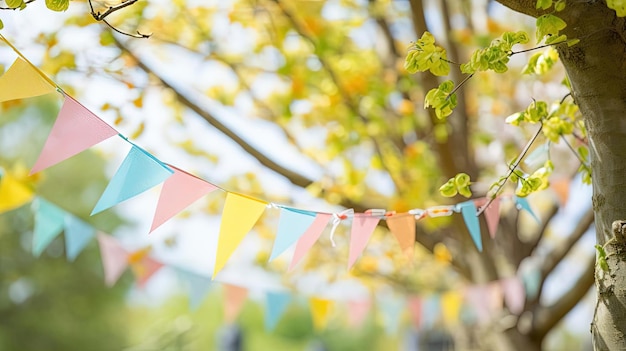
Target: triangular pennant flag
(75, 129)
(234, 298)
(291, 226)
(145, 269)
(276, 303)
(514, 295)
(22, 81)
(13, 193)
(561, 188)
(403, 228)
(362, 228)
(49, 223)
(492, 216)
(179, 191)
(309, 238)
(522, 204)
(477, 297)
(431, 310)
(320, 311)
(198, 286)
(357, 311)
(468, 210)
(138, 172)
(391, 309)
(114, 258)
(77, 236)
(239, 216)
(451, 306)
(414, 304)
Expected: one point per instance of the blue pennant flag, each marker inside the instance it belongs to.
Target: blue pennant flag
(49, 223)
(522, 204)
(291, 226)
(77, 235)
(198, 286)
(431, 311)
(392, 309)
(139, 172)
(277, 303)
(468, 210)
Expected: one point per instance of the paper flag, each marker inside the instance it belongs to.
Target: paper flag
(22, 81)
(145, 269)
(75, 129)
(451, 306)
(276, 304)
(391, 309)
(198, 286)
(492, 216)
(403, 228)
(414, 304)
(234, 298)
(431, 310)
(49, 222)
(114, 258)
(514, 295)
(320, 311)
(139, 172)
(292, 225)
(13, 194)
(561, 188)
(240, 214)
(309, 238)
(179, 191)
(522, 204)
(362, 228)
(478, 297)
(468, 210)
(77, 236)
(357, 311)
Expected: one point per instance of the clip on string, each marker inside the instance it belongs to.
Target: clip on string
(337, 218)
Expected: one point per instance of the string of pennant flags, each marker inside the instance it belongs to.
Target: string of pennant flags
(77, 129)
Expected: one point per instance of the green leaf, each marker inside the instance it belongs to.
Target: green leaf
(14, 3)
(448, 189)
(424, 55)
(462, 180)
(58, 5)
(441, 100)
(543, 4)
(560, 5)
(549, 25)
(1, 24)
(618, 5)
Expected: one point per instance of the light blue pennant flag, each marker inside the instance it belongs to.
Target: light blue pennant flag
(49, 222)
(468, 210)
(291, 226)
(198, 286)
(522, 204)
(392, 309)
(276, 305)
(77, 235)
(431, 311)
(138, 172)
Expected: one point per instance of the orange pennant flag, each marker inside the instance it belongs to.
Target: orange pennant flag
(234, 298)
(403, 228)
(145, 269)
(21, 81)
(240, 214)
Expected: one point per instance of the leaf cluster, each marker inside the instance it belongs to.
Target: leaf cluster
(424, 55)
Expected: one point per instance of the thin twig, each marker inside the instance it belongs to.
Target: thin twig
(583, 162)
(101, 17)
(15, 8)
(460, 85)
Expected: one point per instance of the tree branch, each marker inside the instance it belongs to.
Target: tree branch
(526, 7)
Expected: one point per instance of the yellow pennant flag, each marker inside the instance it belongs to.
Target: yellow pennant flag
(239, 216)
(320, 310)
(13, 193)
(22, 80)
(451, 307)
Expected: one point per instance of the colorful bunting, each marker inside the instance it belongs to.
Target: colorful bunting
(234, 298)
(21, 81)
(309, 237)
(139, 172)
(292, 225)
(276, 304)
(362, 228)
(522, 204)
(240, 214)
(179, 191)
(492, 216)
(392, 308)
(357, 311)
(13, 193)
(49, 223)
(77, 236)
(144, 269)
(75, 130)
(451, 306)
(114, 258)
(403, 228)
(197, 285)
(514, 295)
(431, 310)
(414, 304)
(320, 311)
(468, 210)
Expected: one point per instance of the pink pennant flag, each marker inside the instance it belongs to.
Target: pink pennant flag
(114, 258)
(357, 311)
(514, 294)
(179, 191)
(309, 237)
(234, 298)
(402, 226)
(477, 297)
(145, 269)
(415, 310)
(492, 214)
(362, 228)
(75, 129)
